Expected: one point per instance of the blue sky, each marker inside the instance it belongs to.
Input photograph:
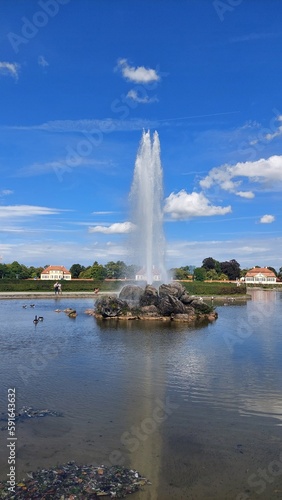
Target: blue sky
(80, 79)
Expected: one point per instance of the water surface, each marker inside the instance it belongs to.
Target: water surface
(196, 410)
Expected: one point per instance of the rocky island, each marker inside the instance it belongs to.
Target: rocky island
(170, 302)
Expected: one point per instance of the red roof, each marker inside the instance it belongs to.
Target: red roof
(55, 268)
(260, 270)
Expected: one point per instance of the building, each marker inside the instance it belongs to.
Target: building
(260, 275)
(141, 275)
(55, 273)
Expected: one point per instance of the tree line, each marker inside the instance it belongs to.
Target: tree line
(211, 269)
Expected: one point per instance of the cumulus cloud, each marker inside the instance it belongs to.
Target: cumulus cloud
(42, 61)
(264, 171)
(9, 69)
(26, 211)
(133, 95)
(138, 74)
(116, 228)
(183, 205)
(267, 219)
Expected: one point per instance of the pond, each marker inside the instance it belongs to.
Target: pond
(196, 410)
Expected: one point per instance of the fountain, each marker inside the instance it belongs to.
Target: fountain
(146, 196)
(171, 301)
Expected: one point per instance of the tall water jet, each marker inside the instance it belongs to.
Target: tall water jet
(146, 196)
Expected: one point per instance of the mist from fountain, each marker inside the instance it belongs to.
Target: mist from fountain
(146, 197)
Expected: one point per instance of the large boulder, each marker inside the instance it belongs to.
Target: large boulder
(131, 293)
(111, 307)
(201, 307)
(175, 289)
(150, 297)
(170, 304)
(186, 298)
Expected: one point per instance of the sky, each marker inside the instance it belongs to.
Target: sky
(79, 82)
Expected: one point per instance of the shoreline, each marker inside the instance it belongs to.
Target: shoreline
(83, 295)
(51, 295)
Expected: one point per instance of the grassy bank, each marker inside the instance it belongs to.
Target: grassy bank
(213, 288)
(194, 288)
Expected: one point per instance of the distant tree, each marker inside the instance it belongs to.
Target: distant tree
(210, 263)
(212, 275)
(75, 270)
(4, 271)
(223, 277)
(279, 274)
(116, 270)
(178, 273)
(18, 271)
(98, 272)
(231, 268)
(35, 272)
(86, 273)
(200, 274)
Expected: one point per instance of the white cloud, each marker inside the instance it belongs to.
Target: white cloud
(9, 69)
(245, 194)
(264, 171)
(133, 95)
(138, 74)
(26, 211)
(116, 228)
(267, 219)
(42, 61)
(183, 205)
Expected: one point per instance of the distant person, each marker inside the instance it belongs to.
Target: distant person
(60, 288)
(56, 288)
(96, 291)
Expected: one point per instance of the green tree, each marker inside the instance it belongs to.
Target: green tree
(209, 263)
(200, 274)
(98, 272)
(18, 271)
(86, 273)
(212, 275)
(116, 270)
(223, 277)
(4, 271)
(34, 272)
(75, 270)
(231, 268)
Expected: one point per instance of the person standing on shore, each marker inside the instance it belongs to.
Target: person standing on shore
(59, 289)
(56, 288)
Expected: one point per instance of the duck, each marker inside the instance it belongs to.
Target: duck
(32, 305)
(24, 306)
(40, 318)
(35, 321)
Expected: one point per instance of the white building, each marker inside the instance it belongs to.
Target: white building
(260, 275)
(141, 275)
(55, 273)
